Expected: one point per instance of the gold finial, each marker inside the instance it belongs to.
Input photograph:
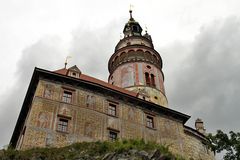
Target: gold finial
(66, 60)
(130, 11)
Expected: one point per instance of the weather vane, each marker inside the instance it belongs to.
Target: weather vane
(66, 60)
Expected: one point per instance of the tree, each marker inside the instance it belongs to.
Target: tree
(224, 142)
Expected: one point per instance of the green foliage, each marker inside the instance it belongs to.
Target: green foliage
(224, 142)
(87, 149)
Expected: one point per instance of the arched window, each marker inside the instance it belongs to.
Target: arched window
(155, 59)
(148, 56)
(135, 28)
(147, 78)
(131, 54)
(116, 60)
(122, 55)
(153, 80)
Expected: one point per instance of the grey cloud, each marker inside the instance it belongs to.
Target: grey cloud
(206, 83)
(90, 50)
(45, 53)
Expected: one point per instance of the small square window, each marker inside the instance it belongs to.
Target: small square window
(112, 109)
(150, 122)
(112, 136)
(62, 125)
(67, 97)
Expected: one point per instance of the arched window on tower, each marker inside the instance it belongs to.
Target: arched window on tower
(155, 59)
(153, 80)
(116, 61)
(135, 28)
(147, 78)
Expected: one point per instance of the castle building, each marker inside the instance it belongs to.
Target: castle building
(66, 106)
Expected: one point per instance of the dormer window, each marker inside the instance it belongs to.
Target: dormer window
(73, 74)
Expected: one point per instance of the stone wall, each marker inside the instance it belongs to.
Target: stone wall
(89, 120)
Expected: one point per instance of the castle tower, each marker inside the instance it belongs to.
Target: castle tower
(137, 66)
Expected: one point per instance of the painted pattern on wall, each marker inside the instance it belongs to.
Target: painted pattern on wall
(127, 75)
(92, 124)
(132, 74)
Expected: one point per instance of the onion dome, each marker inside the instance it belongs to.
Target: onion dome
(132, 27)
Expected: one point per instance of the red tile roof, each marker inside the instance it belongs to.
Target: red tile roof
(84, 77)
(62, 71)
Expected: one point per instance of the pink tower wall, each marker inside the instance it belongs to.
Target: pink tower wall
(132, 74)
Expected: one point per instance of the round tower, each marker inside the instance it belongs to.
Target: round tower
(137, 66)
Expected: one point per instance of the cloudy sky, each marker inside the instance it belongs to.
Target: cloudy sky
(199, 42)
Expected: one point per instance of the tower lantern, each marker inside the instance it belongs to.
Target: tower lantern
(137, 66)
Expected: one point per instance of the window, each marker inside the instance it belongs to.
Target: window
(112, 135)
(62, 125)
(152, 80)
(147, 78)
(112, 109)
(67, 97)
(150, 123)
(135, 28)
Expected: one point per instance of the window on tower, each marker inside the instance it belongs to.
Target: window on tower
(152, 80)
(147, 79)
(135, 28)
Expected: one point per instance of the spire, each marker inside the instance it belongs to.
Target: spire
(148, 36)
(146, 29)
(132, 27)
(130, 12)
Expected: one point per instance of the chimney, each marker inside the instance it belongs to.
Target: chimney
(200, 126)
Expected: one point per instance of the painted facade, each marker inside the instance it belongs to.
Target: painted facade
(89, 120)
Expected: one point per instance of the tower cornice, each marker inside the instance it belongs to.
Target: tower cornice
(155, 58)
(131, 38)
